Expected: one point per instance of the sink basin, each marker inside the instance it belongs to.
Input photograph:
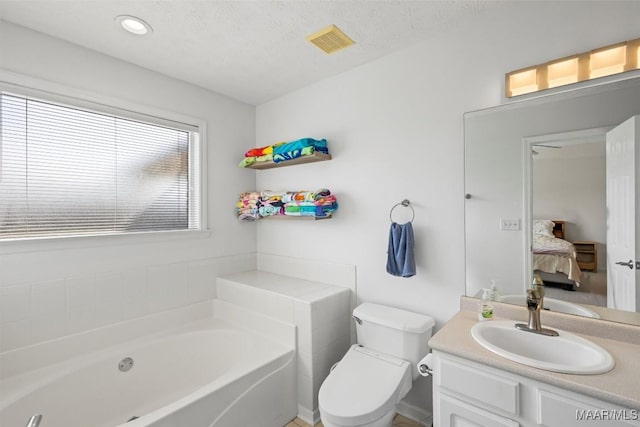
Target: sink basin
(566, 353)
(552, 304)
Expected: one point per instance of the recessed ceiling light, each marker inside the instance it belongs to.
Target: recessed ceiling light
(134, 24)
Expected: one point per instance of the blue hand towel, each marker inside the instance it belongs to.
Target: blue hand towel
(400, 259)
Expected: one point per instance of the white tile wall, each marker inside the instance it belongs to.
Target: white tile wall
(15, 303)
(320, 309)
(31, 313)
(284, 333)
(319, 271)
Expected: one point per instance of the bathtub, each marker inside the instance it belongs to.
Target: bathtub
(208, 373)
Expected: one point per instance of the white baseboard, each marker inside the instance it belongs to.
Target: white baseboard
(419, 415)
(309, 416)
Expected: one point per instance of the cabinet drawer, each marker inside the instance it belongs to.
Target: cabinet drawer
(560, 411)
(454, 413)
(481, 386)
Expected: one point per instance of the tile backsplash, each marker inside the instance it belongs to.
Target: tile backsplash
(35, 312)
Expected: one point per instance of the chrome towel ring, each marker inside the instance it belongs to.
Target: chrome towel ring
(407, 204)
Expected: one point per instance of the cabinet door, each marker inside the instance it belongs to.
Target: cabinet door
(484, 388)
(454, 413)
(561, 411)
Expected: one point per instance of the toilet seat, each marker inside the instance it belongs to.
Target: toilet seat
(363, 387)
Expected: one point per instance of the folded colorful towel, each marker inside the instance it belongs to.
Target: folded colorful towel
(293, 154)
(254, 205)
(299, 196)
(298, 144)
(261, 151)
(248, 161)
(300, 213)
(282, 151)
(269, 194)
(270, 210)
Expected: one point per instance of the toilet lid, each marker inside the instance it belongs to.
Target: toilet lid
(363, 387)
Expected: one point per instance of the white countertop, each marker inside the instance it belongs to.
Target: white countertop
(620, 386)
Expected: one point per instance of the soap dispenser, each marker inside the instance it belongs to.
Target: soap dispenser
(485, 308)
(495, 294)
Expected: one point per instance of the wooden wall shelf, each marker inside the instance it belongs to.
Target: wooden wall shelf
(312, 158)
(296, 217)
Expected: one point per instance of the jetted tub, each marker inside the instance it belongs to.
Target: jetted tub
(206, 374)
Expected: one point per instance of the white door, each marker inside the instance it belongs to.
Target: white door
(622, 230)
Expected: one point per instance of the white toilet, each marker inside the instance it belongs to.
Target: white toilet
(364, 388)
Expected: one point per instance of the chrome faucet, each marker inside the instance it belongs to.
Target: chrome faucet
(535, 301)
(34, 421)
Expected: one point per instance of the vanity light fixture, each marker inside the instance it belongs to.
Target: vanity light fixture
(133, 24)
(605, 61)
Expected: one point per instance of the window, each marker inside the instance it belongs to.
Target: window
(70, 171)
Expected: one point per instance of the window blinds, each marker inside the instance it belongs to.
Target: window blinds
(68, 172)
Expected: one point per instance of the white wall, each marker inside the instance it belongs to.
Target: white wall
(574, 189)
(395, 129)
(47, 293)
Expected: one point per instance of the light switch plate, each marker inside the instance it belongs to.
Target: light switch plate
(509, 224)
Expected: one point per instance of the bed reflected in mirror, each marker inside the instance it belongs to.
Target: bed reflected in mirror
(568, 229)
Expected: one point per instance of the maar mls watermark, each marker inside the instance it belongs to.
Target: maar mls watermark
(607, 414)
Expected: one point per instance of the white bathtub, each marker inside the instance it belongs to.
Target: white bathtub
(208, 373)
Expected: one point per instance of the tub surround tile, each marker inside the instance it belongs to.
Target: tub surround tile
(286, 308)
(80, 319)
(325, 357)
(320, 311)
(164, 292)
(16, 334)
(81, 291)
(15, 303)
(201, 280)
(305, 396)
(109, 286)
(284, 333)
(25, 357)
(102, 298)
(135, 293)
(48, 298)
(48, 327)
(331, 273)
(47, 364)
(286, 286)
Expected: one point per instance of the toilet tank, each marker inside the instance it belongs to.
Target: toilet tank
(400, 333)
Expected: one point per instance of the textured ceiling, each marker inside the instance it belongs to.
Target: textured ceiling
(253, 51)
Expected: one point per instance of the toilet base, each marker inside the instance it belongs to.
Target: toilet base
(385, 421)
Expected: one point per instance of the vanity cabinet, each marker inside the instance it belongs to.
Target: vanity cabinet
(470, 394)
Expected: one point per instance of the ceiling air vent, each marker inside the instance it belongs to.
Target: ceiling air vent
(330, 39)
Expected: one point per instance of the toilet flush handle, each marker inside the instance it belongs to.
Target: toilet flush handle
(357, 319)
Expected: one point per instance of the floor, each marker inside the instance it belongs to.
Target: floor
(398, 421)
(592, 290)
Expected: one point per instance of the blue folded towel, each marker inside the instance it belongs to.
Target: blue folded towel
(400, 259)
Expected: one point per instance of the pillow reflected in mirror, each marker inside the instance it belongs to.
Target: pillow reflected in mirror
(543, 226)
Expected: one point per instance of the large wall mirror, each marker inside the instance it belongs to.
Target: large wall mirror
(550, 189)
